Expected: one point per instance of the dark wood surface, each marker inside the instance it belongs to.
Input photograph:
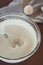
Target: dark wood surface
(37, 58)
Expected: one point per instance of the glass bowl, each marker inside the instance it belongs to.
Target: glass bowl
(34, 26)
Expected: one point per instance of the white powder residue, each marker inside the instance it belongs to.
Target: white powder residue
(19, 29)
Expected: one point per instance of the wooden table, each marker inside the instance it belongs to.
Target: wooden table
(37, 58)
